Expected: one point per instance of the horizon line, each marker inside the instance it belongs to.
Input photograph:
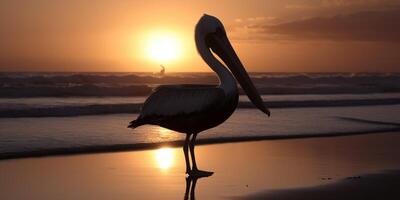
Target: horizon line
(282, 72)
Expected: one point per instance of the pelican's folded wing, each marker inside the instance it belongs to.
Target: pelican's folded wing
(181, 100)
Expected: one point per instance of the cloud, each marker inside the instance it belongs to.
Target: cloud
(246, 29)
(378, 26)
(255, 19)
(341, 4)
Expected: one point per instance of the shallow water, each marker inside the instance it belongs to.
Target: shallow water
(30, 134)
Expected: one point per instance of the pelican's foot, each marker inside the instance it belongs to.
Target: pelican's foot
(195, 173)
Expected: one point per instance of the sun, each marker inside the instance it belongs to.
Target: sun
(163, 47)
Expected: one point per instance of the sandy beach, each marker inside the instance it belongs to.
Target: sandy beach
(244, 170)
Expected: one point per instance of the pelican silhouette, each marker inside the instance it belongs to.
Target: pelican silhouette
(191, 109)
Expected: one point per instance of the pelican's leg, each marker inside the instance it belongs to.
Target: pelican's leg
(192, 143)
(195, 171)
(185, 151)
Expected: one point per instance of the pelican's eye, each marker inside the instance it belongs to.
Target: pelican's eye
(220, 32)
(209, 39)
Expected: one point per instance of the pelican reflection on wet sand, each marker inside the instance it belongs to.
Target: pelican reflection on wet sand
(190, 189)
(191, 109)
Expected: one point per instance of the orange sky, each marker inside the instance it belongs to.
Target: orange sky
(268, 35)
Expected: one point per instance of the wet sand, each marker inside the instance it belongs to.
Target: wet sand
(384, 185)
(246, 170)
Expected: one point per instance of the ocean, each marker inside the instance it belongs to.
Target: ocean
(62, 113)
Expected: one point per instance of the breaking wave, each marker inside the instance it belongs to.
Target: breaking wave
(19, 85)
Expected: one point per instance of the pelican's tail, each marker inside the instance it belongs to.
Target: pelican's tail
(135, 123)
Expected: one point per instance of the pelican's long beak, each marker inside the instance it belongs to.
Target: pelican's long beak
(220, 45)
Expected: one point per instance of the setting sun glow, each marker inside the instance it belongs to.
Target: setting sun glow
(163, 47)
(164, 158)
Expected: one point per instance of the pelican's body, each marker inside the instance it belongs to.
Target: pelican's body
(191, 109)
(187, 108)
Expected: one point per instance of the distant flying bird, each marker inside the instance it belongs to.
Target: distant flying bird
(191, 109)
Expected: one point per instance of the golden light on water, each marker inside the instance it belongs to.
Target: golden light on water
(163, 47)
(164, 158)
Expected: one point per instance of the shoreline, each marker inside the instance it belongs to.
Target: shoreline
(82, 150)
(286, 169)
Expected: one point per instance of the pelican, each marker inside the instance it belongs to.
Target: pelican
(191, 109)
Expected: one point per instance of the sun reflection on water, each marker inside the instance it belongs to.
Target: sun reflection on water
(164, 158)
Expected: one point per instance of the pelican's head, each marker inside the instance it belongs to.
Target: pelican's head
(211, 30)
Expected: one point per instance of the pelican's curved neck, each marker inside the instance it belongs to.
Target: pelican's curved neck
(227, 81)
